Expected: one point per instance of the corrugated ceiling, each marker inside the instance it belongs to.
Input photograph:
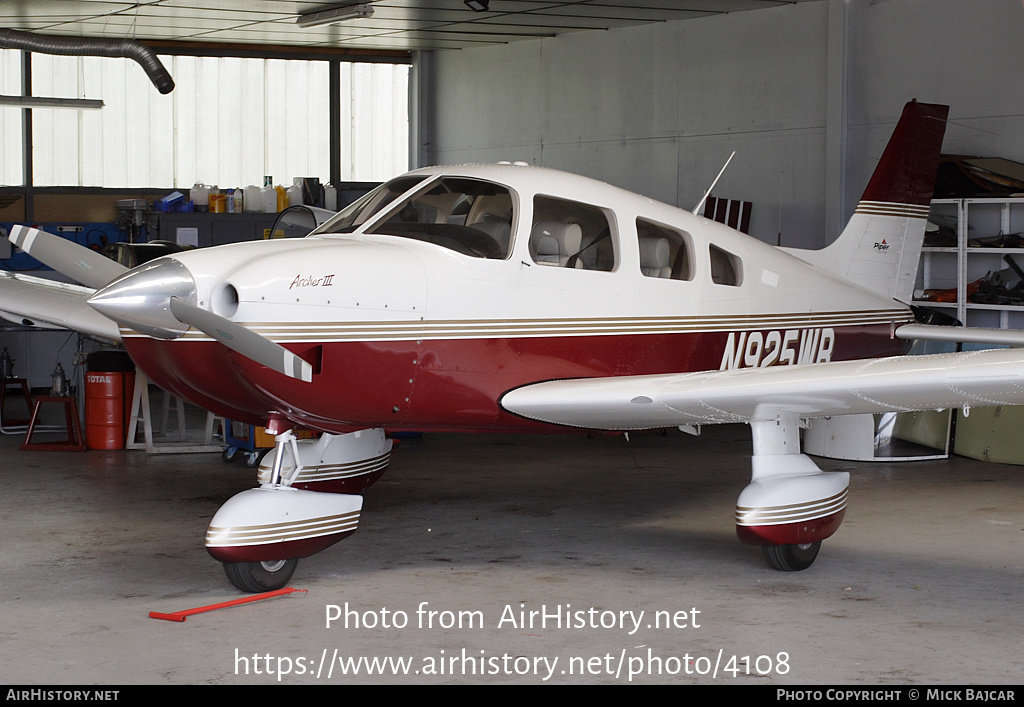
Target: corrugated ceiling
(404, 25)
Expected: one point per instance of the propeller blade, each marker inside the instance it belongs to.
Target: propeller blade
(37, 302)
(244, 341)
(77, 262)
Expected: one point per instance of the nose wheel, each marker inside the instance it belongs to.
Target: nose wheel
(791, 558)
(263, 576)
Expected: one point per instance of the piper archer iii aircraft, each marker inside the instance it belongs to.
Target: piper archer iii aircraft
(522, 299)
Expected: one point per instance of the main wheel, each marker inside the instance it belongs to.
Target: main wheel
(791, 558)
(260, 576)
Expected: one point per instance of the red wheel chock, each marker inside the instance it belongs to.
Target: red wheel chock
(180, 616)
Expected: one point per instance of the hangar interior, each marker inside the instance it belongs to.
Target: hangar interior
(648, 95)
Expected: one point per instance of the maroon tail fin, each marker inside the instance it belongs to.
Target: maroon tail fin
(906, 172)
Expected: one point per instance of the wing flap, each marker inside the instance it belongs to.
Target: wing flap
(902, 383)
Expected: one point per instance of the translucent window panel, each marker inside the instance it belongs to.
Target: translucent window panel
(11, 120)
(228, 122)
(127, 143)
(374, 121)
(251, 117)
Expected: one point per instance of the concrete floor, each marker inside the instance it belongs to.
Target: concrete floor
(922, 584)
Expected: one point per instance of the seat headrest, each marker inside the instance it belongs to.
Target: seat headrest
(569, 236)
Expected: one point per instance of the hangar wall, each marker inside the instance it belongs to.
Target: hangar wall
(942, 51)
(807, 95)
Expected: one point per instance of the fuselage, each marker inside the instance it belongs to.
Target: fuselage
(463, 283)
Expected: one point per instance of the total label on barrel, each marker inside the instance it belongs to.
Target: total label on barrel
(107, 399)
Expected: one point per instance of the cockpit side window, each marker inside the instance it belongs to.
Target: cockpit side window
(469, 216)
(569, 234)
(664, 252)
(726, 268)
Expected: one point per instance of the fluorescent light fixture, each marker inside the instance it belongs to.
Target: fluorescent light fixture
(336, 14)
(36, 102)
(477, 5)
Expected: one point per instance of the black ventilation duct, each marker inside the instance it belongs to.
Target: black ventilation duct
(82, 46)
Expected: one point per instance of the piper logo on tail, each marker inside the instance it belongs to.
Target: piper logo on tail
(883, 246)
(758, 349)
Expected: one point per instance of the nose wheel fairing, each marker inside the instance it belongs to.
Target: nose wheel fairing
(269, 524)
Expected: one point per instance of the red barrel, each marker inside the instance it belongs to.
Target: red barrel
(108, 397)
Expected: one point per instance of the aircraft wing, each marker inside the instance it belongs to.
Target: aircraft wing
(55, 304)
(901, 383)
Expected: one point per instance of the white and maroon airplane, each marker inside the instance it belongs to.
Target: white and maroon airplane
(513, 298)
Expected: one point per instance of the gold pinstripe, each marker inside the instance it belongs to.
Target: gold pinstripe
(881, 208)
(507, 328)
(793, 513)
(331, 472)
(281, 532)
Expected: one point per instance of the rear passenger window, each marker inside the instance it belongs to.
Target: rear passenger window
(726, 268)
(569, 234)
(664, 252)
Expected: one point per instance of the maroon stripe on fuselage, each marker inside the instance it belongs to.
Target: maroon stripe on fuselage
(446, 384)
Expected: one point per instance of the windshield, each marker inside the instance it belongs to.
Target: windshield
(469, 216)
(359, 211)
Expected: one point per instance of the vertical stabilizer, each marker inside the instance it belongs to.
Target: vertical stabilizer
(881, 245)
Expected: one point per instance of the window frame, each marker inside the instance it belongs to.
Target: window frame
(735, 264)
(684, 243)
(587, 211)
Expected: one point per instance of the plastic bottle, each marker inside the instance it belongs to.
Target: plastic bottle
(200, 196)
(295, 192)
(216, 200)
(330, 197)
(282, 198)
(268, 195)
(253, 201)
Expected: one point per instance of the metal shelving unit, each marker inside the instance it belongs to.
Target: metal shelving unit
(949, 267)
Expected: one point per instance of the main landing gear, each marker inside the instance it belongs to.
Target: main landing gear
(790, 505)
(303, 505)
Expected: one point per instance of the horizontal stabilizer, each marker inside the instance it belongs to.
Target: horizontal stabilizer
(961, 335)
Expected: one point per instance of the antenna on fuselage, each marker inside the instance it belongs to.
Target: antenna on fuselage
(706, 193)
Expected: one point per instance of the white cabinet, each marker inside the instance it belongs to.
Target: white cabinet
(955, 267)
